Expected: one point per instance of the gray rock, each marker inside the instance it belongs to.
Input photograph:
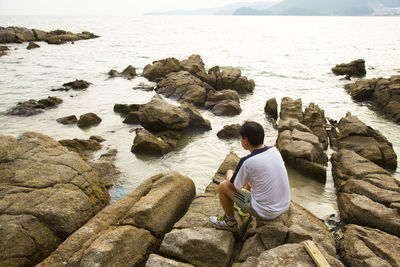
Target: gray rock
(33, 107)
(364, 246)
(271, 108)
(159, 69)
(77, 85)
(125, 109)
(147, 143)
(291, 109)
(227, 108)
(47, 193)
(215, 97)
(156, 261)
(314, 118)
(129, 73)
(68, 120)
(196, 119)
(133, 117)
(32, 45)
(229, 132)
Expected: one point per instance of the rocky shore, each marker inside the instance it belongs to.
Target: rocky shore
(21, 35)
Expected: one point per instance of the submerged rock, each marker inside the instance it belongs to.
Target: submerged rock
(33, 107)
(129, 73)
(3, 50)
(32, 45)
(68, 120)
(355, 68)
(77, 85)
(47, 193)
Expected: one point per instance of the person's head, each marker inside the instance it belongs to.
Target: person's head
(253, 132)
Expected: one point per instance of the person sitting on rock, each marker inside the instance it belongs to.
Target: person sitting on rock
(259, 185)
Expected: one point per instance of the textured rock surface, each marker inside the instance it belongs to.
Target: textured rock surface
(156, 261)
(355, 68)
(229, 132)
(383, 92)
(33, 107)
(369, 143)
(88, 120)
(129, 73)
(46, 193)
(271, 108)
(364, 246)
(314, 118)
(122, 234)
(367, 193)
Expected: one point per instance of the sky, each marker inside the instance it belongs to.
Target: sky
(103, 7)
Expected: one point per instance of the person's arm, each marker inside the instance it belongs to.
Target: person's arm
(229, 174)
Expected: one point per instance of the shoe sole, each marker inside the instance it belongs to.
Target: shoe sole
(224, 228)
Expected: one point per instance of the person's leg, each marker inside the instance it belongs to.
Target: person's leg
(226, 192)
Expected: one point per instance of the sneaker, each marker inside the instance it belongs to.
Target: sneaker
(241, 213)
(221, 222)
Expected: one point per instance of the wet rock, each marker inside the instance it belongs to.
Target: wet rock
(125, 109)
(196, 119)
(68, 120)
(3, 50)
(227, 108)
(147, 143)
(195, 66)
(129, 73)
(33, 107)
(366, 192)
(47, 193)
(384, 93)
(145, 86)
(314, 118)
(123, 233)
(106, 170)
(133, 117)
(32, 45)
(271, 108)
(183, 86)
(369, 143)
(364, 246)
(355, 68)
(301, 148)
(156, 260)
(61, 36)
(88, 120)
(160, 68)
(291, 109)
(215, 97)
(159, 115)
(229, 132)
(77, 85)
(84, 147)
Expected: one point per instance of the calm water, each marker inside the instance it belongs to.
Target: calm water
(286, 56)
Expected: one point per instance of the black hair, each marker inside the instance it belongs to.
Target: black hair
(253, 131)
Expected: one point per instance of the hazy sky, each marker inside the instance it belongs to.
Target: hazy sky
(102, 7)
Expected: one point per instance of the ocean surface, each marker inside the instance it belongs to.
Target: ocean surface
(286, 56)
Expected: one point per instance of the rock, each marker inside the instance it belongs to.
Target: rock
(271, 108)
(159, 69)
(230, 162)
(216, 246)
(133, 117)
(129, 73)
(366, 192)
(33, 107)
(196, 119)
(145, 86)
(61, 36)
(355, 68)
(230, 78)
(364, 246)
(147, 143)
(314, 118)
(229, 132)
(227, 108)
(159, 115)
(291, 109)
(369, 143)
(125, 109)
(88, 120)
(107, 171)
(77, 85)
(183, 86)
(32, 45)
(156, 261)
(117, 231)
(215, 97)
(194, 65)
(47, 193)
(68, 120)
(301, 149)
(3, 50)
(81, 146)
(384, 93)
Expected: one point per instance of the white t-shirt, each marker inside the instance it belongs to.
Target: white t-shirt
(264, 170)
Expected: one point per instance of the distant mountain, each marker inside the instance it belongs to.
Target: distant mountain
(327, 8)
(222, 10)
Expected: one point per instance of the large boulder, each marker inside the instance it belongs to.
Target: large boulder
(156, 261)
(47, 193)
(229, 78)
(160, 68)
(355, 68)
(363, 246)
(150, 144)
(301, 148)
(230, 132)
(383, 92)
(369, 143)
(215, 97)
(33, 107)
(197, 121)
(291, 109)
(183, 86)
(159, 115)
(271, 108)
(195, 66)
(227, 108)
(88, 120)
(367, 194)
(128, 231)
